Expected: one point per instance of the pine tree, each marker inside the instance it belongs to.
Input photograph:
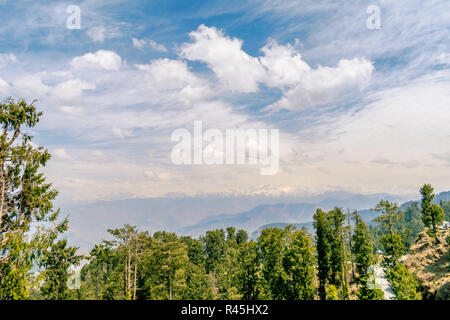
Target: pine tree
(363, 248)
(126, 243)
(404, 283)
(272, 245)
(56, 263)
(338, 275)
(432, 214)
(28, 220)
(99, 255)
(298, 263)
(250, 279)
(392, 241)
(322, 226)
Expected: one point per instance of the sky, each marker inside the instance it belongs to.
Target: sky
(361, 101)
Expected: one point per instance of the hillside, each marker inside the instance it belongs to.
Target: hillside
(430, 261)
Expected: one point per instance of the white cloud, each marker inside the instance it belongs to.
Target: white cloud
(75, 111)
(444, 58)
(72, 89)
(171, 79)
(224, 55)
(324, 85)
(157, 46)
(138, 43)
(122, 133)
(107, 60)
(62, 154)
(157, 174)
(31, 86)
(7, 59)
(280, 67)
(284, 65)
(97, 34)
(4, 87)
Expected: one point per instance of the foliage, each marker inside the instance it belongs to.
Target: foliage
(363, 248)
(28, 220)
(404, 284)
(56, 263)
(432, 214)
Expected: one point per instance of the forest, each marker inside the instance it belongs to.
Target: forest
(335, 262)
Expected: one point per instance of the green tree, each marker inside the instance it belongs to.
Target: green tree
(298, 263)
(28, 220)
(323, 231)
(250, 278)
(164, 268)
(272, 243)
(100, 254)
(338, 275)
(404, 283)
(362, 248)
(365, 292)
(432, 214)
(127, 244)
(214, 242)
(198, 286)
(332, 292)
(392, 242)
(56, 264)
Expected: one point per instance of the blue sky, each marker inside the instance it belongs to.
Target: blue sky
(358, 110)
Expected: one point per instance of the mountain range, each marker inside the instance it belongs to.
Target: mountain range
(89, 222)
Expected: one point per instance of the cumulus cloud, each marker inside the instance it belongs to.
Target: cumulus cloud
(284, 64)
(72, 89)
(31, 85)
(174, 78)
(224, 55)
(281, 67)
(103, 59)
(324, 85)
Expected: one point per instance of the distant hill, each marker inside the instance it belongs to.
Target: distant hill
(252, 219)
(367, 215)
(195, 215)
(444, 196)
(297, 214)
(293, 213)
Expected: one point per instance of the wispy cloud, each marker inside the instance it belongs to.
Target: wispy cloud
(361, 110)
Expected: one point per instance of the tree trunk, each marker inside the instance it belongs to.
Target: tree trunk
(129, 275)
(96, 283)
(350, 244)
(135, 272)
(2, 190)
(170, 278)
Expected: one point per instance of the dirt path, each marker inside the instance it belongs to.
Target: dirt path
(380, 281)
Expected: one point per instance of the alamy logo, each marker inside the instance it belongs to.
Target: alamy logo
(74, 20)
(374, 20)
(234, 146)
